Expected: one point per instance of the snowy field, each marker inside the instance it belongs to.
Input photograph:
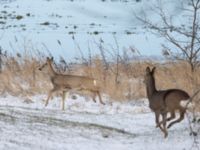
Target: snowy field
(25, 124)
(51, 24)
(84, 125)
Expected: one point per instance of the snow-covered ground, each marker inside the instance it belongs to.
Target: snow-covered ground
(26, 124)
(50, 24)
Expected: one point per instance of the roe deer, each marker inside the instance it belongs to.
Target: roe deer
(65, 83)
(162, 102)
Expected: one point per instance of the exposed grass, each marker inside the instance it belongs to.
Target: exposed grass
(45, 23)
(19, 17)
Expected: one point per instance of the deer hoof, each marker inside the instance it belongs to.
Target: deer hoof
(166, 134)
(103, 103)
(169, 126)
(157, 125)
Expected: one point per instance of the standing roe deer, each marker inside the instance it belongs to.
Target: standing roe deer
(162, 102)
(65, 83)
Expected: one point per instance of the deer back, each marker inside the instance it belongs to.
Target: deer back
(73, 81)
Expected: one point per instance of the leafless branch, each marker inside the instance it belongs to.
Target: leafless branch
(190, 45)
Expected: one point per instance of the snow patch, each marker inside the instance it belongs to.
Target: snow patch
(26, 124)
(186, 103)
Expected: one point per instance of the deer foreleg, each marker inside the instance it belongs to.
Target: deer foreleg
(164, 116)
(157, 115)
(94, 94)
(49, 96)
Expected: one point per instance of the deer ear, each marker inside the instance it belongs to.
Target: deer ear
(153, 70)
(51, 58)
(148, 70)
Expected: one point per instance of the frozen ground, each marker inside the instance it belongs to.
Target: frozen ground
(84, 125)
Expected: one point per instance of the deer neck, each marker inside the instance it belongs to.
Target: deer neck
(52, 73)
(151, 88)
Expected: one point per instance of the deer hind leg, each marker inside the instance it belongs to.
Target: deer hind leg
(100, 99)
(172, 116)
(63, 100)
(65, 95)
(182, 113)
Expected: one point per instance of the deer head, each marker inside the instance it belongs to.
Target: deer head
(48, 62)
(150, 81)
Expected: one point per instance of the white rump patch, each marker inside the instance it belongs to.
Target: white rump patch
(95, 83)
(186, 103)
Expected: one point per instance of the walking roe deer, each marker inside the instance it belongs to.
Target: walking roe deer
(65, 83)
(162, 102)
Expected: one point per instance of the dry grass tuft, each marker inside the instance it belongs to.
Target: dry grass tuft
(20, 77)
